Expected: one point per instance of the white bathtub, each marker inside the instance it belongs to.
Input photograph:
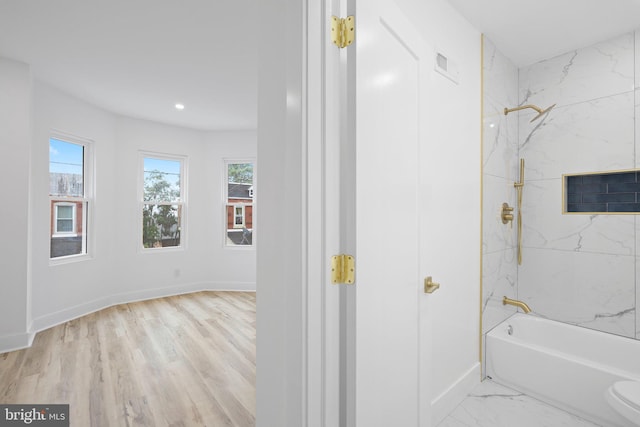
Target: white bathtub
(566, 366)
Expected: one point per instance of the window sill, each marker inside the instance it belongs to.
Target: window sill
(69, 259)
(166, 249)
(240, 247)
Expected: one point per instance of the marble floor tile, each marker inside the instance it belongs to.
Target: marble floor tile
(492, 405)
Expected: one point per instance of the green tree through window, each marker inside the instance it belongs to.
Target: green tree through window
(162, 209)
(241, 173)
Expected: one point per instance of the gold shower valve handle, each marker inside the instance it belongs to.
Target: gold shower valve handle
(506, 214)
(430, 286)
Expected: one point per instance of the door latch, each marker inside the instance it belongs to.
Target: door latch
(430, 286)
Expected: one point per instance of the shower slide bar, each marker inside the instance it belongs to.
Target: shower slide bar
(519, 187)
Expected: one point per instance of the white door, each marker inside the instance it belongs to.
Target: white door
(388, 318)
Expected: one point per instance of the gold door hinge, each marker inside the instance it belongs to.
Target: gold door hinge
(343, 269)
(343, 31)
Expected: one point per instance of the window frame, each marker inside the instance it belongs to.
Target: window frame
(240, 206)
(181, 202)
(87, 200)
(56, 218)
(226, 204)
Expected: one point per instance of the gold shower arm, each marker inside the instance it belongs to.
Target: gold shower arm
(539, 110)
(522, 107)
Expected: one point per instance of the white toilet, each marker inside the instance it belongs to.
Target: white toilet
(624, 398)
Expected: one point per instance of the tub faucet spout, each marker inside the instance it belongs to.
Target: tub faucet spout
(516, 303)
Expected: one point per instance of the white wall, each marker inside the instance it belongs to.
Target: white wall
(205, 263)
(15, 145)
(280, 305)
(230, 267)
(172, 269)
(117, 271)
(59, 288)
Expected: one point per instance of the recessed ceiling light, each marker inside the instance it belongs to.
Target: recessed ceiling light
(179, 106)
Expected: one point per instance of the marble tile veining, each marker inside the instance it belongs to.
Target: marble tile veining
(500, 90)
(500, 76)
(637, 276)
(500, 170)
(637, 112)
(546, 227)
(499, 277)
(593, 72)
(492, 405)
(637, 57)
(496, 235)
(590, 136)
(579, 269)
(593, 290)
(500, 141)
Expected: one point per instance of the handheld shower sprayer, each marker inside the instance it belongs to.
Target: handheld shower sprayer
(534, 107)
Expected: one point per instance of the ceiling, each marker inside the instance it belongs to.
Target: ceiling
(139, 58)
(529, 31)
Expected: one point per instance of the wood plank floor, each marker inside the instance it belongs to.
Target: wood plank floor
(186, 360)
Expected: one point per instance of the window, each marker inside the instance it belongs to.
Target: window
(239, 203)
(69, 195)
(65, 219)
(238, 217)
(162, 201)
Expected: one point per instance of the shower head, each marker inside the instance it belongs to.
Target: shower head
(540, 113)
(534, 107)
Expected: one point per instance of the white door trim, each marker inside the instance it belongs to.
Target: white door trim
(297, 321)
(322, 222)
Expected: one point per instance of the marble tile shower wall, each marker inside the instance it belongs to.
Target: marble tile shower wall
(500, 169)
(581, 269)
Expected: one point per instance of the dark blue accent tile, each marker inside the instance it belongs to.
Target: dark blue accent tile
(574, 198)
(591, 188)
(624, 207)
(610, 198)
(628, 187)
(593, 179)
(616, 192)
(587, 207)
(572, 182)
(617, 177)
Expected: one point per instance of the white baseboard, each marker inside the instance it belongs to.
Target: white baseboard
(16, 342)
(20, 341)
(232, 286)
(447, 401)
